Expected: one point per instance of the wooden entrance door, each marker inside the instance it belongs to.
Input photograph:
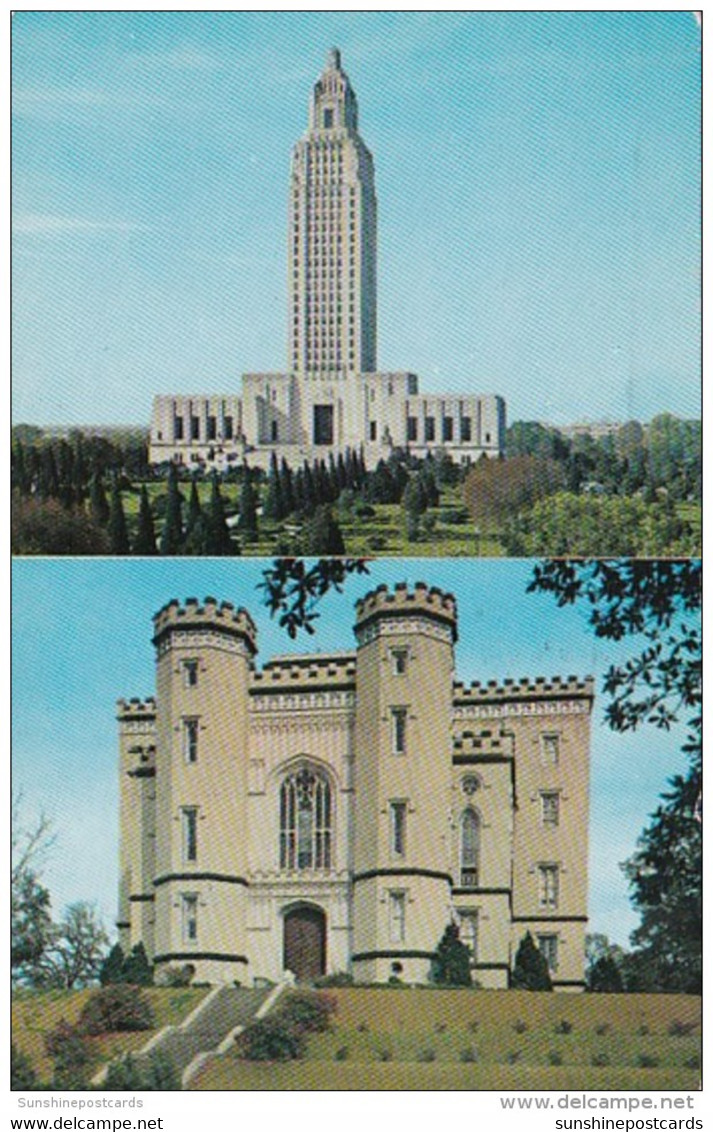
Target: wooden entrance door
(305, 943)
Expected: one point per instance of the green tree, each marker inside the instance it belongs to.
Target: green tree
(145, 539)
(273, 506)
(247, 523)
(530, 971)
(657, 603)
(172, 534)
(604, 977)
(293, 588)
(98, 505)
(195, 535)
(75, 950)
(136, 969)
(31, 922)
(217, 541)
(451, 963)
(116, 527)
(112, 968)
(22, 1074)
(322, 534)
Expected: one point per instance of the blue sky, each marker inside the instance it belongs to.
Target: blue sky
(538, 182)
(81, 640)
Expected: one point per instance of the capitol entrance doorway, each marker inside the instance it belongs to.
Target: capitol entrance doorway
(305, 939)
(324, 424)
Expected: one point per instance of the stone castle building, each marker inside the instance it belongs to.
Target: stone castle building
(331, 396)
(333, 812)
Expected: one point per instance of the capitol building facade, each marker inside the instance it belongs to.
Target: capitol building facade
(331, 397)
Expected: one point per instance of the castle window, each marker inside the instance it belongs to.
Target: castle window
(195, 428)
(398, 730)
(397, 828)
(447, 428)
(397, 917)
(550, 807)
(399, 660)
(178, 428)
(469, 930)
(548, 947)
(189, 917)
(212, 428)
(469, 849)
(190, 740)
(228, 428)
(550, 748)
(190, 673)
(411, 429)
(274, 430)
(430, 429)
(372, 430)
(549, 884)
(305, 821)
(189, 832)
(465, 430)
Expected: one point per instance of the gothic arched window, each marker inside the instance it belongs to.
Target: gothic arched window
(305, 821)
(469, 849)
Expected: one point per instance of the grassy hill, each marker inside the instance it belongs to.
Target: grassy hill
(460, 1039)
(36, 1013)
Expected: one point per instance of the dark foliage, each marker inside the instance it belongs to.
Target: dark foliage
(530, 971)
(116, 1008)
(293, 588)
(270, 1039)
(451, 963)
(22, 1075)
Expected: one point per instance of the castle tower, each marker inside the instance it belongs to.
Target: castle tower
(137, 822)
(404, 682)
(204, 657)
(332, 242)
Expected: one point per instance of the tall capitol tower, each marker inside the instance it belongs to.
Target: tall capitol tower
(331, 397)
(332, 237)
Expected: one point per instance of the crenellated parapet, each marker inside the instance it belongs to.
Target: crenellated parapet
(222, 618)
(554, 687)
(422, 601)
(136, 710)
(315, 671)
(469, 746)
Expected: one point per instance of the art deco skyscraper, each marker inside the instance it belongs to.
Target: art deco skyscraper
(332, 239)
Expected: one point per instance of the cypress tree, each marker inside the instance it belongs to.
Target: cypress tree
(145, 541)
(193, 543)
(112, 968)
(247, 522)
(217, 541)
(451, 963)
(273, 507)
(286, 488)
(172, 534)
(116, 527)
(530, 971)
(323, 535)
(136, 968)
(309, 495)
(19, 468)
(98, 506)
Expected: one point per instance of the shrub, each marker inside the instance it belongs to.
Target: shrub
(554, 1057)
(67, 1047)
(603, 1028)
(519, 1026)
(468, 1055)
(176, 976)
(336, 979)
(451, 963)
(426, 1055)
(22, 1075)
(156, 1074)
(116, 1008)
(693, 1062)
(513, 1056)
(678, 1029)
(342, 1053)
(362, 1028)
(563, 1027)
(377, 542)
(643, 1030)
(385, 1054)
(600, 1059)
(307, 1013)
(473, 1026)
(112, 967)
(530, 971)
(137, 969)
(270, 1039)
(440, 1027)
(647, 1061)
(365, 511)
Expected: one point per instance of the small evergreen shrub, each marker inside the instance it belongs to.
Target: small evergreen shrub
(176, 977)
(362, 1028)
(643, 1030)
(440, 1027)
(67, 1047)
(554, 1057)
(602, 1029)
(336, 979)
(693, 1062)
(473, 1026)
(563, 1027)
(307, 1012)
(513, 1056)
(22, 1075)
(530, 971)
(426, 1055)
(468, 1055)
(600, 1059)
(270, 1039)
(157, 1074)
(678, 1029)
(115, 1009)
(136, 968)
(520, 1027)
(647, 1061)
(342, 1053)
(385, 1055)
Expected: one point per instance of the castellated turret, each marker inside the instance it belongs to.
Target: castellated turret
(204, 655)
(332, 812)
(402, 874)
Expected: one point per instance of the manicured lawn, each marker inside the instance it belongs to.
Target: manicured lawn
(36, 1013)
(428, 1039)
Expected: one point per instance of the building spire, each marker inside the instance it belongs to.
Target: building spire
(334, 59)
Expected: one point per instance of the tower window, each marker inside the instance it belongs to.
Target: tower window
(399, 660)
(178, 428)
(549, 885)
(372, 430)
(465, 430)
(550, 747)
(447, 428)
(305, 821)
(550, 803)
(189, 831)
(430, 430)
(411, 429)
(190, 740)
(548, 947)
(469, 849)
(190, 673)
(228, 428)
(189, 917)
(397, 917)
(212, 428)
(397, 828)
(398, 730)
(195, 428)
